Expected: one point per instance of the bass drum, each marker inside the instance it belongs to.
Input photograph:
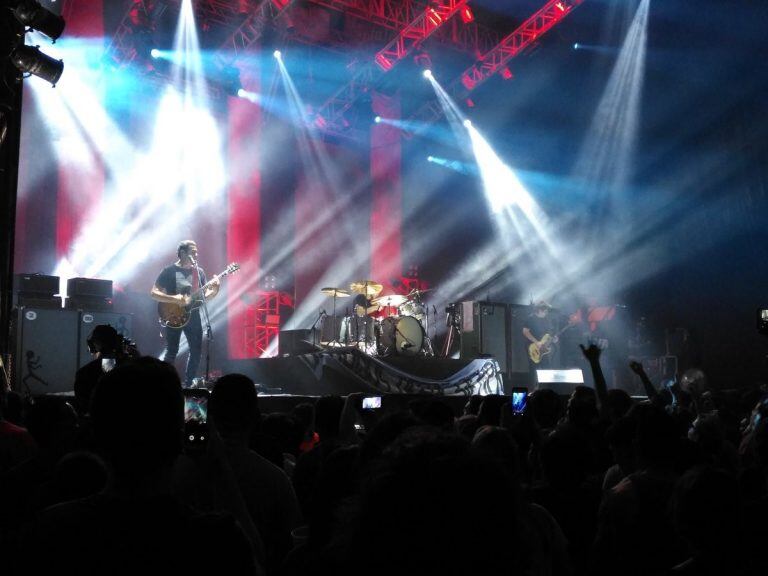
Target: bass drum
(403, 336)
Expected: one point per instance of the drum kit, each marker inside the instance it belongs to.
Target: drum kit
(399, 328)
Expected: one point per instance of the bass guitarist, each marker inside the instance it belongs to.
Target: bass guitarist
(538, 331)
(174, 285)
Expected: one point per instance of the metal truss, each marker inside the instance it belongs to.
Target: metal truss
(122, 49)
(496, 59)
(251, 29)
(533, 28)
(418, 30)
(387, 13)
(330, 115)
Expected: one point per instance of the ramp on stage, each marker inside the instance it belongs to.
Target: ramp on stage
(342, 371)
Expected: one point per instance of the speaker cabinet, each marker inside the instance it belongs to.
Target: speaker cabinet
(88, 320)
(518, 349)
(293, 342)
(46, 350)
(485, 331)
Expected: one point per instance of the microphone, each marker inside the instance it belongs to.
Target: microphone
(192, 259)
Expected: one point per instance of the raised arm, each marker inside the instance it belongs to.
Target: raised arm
(592, 354)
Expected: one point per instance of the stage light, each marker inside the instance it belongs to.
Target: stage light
(30, 60)
(32, 14)
(576, 46)
(467, 123)
(506, 73)
(427, 74)
(466, 15)
(155, 53)
(377, 119)
(250, 96)
(430, 158)
(277, 54)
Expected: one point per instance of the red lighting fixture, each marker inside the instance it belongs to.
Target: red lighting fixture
(506, 73)
(467, 15)
(434, 17)
(470, 103)
(562, 6)
(383, 62)
(280, 4)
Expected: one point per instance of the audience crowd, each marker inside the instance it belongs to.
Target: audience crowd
(115, 482)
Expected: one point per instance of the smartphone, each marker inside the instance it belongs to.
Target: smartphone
(195, 416)
(762, 321)
(372, 403)
(519, 400)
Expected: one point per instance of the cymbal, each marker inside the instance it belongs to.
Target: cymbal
(391, 300)
(367, 287)
(338, 292)
(416, 292)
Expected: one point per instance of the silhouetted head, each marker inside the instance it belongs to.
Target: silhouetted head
(706, 509)
(53, 423)
(103, 340)
(545, 406)
(327, 414)
(234, 406)
(137, 412)
(433, 412)
(408, 524)
(617, 402)
(582, 406)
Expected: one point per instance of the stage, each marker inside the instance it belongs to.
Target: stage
(341, 371)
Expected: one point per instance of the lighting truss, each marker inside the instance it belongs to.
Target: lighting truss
(418, 30)
(122, 49)
(392, 15)
(424, 24)
(541, 22)
(497, 58)
(251, 29)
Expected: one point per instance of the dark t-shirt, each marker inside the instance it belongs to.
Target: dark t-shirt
(539, 326)
(177, 280)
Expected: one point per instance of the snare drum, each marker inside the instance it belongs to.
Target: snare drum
(412, 309)
(404, 336)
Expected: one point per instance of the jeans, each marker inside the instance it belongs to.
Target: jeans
(194, 334)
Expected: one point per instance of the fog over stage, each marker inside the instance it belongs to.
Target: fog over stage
(469, 159)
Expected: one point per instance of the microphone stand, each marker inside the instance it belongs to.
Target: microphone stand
(208, 330)
(313, 329)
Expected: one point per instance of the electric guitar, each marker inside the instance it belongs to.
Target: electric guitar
(537, 350)
(176, 315)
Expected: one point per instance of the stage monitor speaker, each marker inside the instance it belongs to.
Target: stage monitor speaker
(294, 342)
(46, 350)
(88, 320)
(485, 331)
(518, 349)
(330, 328)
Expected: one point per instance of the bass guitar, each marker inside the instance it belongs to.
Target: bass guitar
(176, 315)
(537, 350)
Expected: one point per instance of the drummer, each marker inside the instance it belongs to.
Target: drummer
(364, 306)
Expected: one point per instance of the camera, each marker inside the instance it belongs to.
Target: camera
(195, 417)
(372, 403)
(519, 400)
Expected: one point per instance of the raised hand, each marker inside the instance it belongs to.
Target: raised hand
(592, 353)
(636, 367)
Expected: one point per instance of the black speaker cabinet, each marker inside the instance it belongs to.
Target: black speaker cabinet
(292, 342)
(330, 328)
(46, 350)
(485, 331)
(518, 349)
(90, 319)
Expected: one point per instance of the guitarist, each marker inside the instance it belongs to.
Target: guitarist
(174, 285)
(537, 325)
